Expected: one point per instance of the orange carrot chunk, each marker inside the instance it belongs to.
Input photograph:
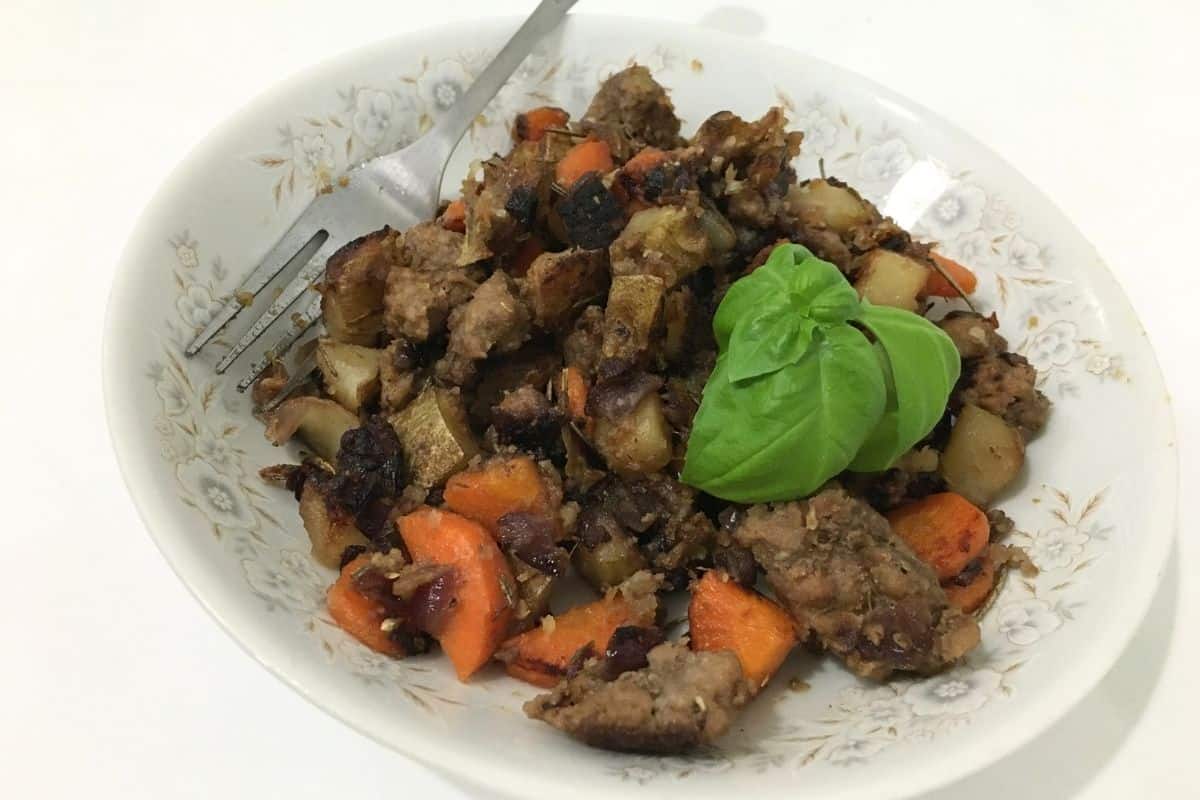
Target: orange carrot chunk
(576, 391)
(938, 286)
(359, 614)
(726, 616)
(944, 530)
(498, 487)
(591, 155)
(533, 124)
(480, 611)
(969, 592)
(646, 159)
(454, 218)
(541, 655)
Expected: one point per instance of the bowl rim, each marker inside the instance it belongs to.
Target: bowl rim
(999, 739)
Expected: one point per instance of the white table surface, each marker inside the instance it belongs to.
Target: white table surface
(113, 681)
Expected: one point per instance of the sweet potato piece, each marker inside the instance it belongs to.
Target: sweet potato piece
(969, 591)
(359, 614)
(937, 286)
(589, 155)
(724, 615)
(541, 656)
(532, 125)
(454, 218)
(498, 487)
(483, 588)
(944, 530)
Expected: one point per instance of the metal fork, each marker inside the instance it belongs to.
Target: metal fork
(399, 189)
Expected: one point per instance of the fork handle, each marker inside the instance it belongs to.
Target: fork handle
(451, 127)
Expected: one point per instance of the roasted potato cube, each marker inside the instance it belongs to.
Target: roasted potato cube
(330, 527)
(318, 421)
(637, 443)
(558, 283)
(679, 311)
(983, 456)
(634, 305)
(889, 279)
(350, 372)
(610, 562)
(830, 204)
(671, 242)
(352, 292)
(434, 435)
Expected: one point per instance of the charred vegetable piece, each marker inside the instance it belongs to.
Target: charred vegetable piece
(891, 279)
(352, 292)
(725, 616)
(350, 372)
(634, 310)
(944, 530)
(483, 591)
(330, 526)
(319, 422)
(984, 455)
(434, 435)
(543, 655)
(590, 213)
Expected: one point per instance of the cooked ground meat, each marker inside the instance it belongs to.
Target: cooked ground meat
(526, 419)
(751, 162)
(494, 320)
(630, 111)
(426, 282)
(1005, 385)
(855, 587)
(974, 335)
(680, 700)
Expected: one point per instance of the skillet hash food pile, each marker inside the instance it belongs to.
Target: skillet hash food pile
(663, 365)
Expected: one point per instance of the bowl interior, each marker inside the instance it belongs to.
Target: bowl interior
(1095, 509)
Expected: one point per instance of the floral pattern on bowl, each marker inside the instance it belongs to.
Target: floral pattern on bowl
(1071, 519)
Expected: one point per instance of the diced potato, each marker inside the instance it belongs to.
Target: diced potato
(634, 305)
(434, 435)
(609, 563)
(557, 283)
(352, 292)
(983, 456)
(637, 443)
(671, 242)
(330, 529)
(890, 279)
(833, 205)
(350, 372)
(316, 420)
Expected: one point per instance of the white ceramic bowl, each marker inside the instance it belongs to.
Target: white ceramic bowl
(1096, 511)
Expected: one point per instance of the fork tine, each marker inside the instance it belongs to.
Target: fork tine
(289, 246)
(300, 322)
(308, 275)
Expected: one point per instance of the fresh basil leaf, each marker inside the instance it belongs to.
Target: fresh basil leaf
(782, 435)
(769, 286)
(922, 368)
(769, 341)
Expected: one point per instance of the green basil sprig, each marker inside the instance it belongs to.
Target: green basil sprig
(800, 393)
